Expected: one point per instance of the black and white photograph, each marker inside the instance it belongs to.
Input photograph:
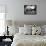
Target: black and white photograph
(30, 9)
(22, 22)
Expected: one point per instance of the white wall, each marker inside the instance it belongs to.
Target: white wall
(15, 9)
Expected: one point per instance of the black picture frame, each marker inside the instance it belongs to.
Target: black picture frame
(30, 9)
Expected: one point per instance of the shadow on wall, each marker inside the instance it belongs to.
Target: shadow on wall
(21, 23)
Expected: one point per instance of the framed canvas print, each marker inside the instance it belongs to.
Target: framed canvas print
(30, 9)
